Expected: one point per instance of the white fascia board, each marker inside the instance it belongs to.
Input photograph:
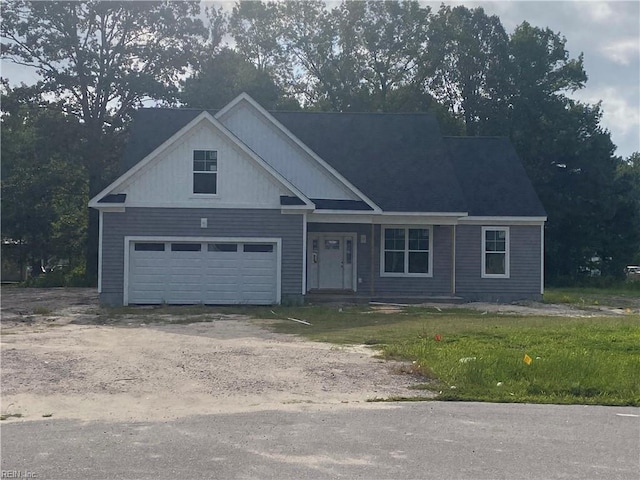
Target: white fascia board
(422, 218)
(295, 209)
(341, 217)
(387, 218)
(244, 97)
(503, 220)
(105, 207)
(206, 116)
(426, 214)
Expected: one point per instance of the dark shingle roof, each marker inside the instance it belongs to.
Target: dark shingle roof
(400, 161)
(492, 177)
(151, 128)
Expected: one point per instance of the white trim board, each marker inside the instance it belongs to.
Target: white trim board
(507, 253)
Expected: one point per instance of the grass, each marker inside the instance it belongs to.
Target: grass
(622, 296)
(480, 357)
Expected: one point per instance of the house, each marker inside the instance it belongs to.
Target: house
(245, 206)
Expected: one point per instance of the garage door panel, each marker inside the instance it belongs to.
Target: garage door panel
(203, 272)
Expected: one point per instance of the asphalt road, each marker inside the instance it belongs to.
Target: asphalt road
(368, 441)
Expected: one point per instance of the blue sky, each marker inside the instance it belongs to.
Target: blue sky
(608, 33)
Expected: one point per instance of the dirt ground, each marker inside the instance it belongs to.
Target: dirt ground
(64, 357)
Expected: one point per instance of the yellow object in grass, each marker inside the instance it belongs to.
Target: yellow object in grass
(527, 359)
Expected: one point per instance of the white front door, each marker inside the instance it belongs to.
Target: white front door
(330, 261)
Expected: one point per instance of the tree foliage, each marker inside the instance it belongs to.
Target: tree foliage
(226, 75)
(100, 60)
(44, 183)
(466, 67)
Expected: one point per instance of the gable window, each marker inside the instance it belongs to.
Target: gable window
(205, 171)
(495, 252)
(406, 251)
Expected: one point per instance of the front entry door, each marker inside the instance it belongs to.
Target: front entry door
(330, 261)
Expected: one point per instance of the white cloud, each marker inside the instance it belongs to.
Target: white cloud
(623, 51)
(617, 112)
(619, 115)
(597, 11)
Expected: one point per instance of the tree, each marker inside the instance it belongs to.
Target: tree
(226, 75)
(44, 184)
(100, 60)
(256, 28)
(628, 188)
(386, 39)
(466, 67)
(569, 157)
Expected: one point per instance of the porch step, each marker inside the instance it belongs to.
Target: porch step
(343, 297)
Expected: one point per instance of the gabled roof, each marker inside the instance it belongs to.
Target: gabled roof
(150, 128)
(492, 177)
(399, 161)
(150, 147)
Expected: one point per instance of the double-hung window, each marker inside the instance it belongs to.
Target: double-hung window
(495, 252)
(406, 251)
(205, 171)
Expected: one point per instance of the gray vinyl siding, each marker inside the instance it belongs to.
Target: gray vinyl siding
(524, 279)
(175, 222)
(405, 287)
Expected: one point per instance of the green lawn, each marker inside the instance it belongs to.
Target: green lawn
(626, 295)
(478, 356)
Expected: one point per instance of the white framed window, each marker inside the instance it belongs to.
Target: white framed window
(205, 172)
(495, 252)
(406, 251)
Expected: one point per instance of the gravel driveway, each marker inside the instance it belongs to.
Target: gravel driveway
(61, 357)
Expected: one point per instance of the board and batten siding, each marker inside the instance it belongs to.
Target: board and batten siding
(168, 180)
(524, 265)
(279, 151)
(180, 222)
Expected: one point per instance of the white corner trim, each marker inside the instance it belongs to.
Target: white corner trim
(160, 238)
(507, 260)
(406, 249)
(541, 259)
(304, 253)
(454, 234)
(246, 98)
(100, 230)
(204, 116)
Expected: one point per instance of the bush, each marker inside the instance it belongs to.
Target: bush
(60, 277)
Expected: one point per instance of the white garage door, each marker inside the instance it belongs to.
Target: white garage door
(212, 272)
